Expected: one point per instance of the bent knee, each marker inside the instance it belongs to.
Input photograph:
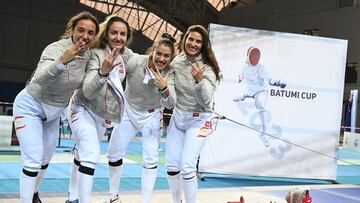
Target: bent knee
(187, 175)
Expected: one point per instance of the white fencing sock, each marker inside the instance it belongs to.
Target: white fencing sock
(190, 189)
(27, 186)
(148, 178)
(85, 177)
(39, 177)
(264, 136)
(175, 184)
(262, 114)
(115, 173)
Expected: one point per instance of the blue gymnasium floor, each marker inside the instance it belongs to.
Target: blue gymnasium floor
(57, 176)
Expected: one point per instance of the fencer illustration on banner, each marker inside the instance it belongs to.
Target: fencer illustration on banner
(254, 81)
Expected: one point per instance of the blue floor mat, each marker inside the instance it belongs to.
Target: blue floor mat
(57, 176)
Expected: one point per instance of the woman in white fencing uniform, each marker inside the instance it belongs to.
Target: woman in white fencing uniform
(190, 121)
(38, 107)
(98, 104)
(255, 80)
(146, 84)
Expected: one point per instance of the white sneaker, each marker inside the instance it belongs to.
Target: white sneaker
(111, 199)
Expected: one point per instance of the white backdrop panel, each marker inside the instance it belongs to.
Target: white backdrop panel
(306, 113)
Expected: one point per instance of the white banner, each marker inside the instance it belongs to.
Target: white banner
(283, 94)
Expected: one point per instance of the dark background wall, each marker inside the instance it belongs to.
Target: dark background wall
(27, 27)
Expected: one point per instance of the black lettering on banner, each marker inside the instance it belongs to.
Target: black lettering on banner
(272, 92)
(293, 94)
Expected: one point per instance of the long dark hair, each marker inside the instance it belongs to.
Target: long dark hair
(206, 50)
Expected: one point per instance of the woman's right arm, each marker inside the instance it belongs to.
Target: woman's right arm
(53, 60)
(49, 66)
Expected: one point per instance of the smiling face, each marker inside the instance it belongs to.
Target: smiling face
(161, 56)
(84, 30)
(193, 44)
(117, 35)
